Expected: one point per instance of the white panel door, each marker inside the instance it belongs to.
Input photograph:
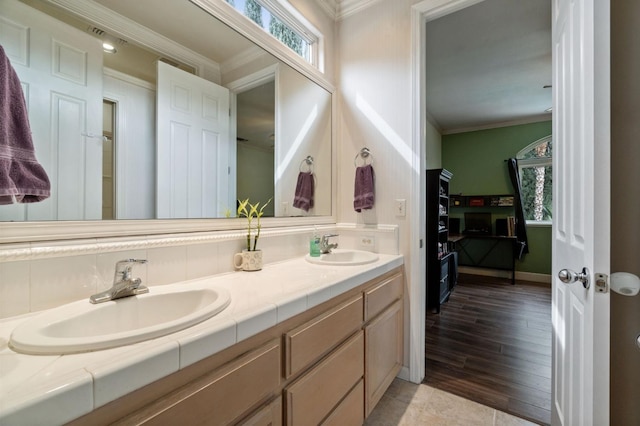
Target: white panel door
(581, 211)
(61, 72)
(193, 146)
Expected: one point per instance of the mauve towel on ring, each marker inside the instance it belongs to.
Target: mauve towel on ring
(303, 198)
(363, 194)
(22, 178)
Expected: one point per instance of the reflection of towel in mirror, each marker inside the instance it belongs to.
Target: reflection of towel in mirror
(22, 178)
(303, 198)
(363, 194)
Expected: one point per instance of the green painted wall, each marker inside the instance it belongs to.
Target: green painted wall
(476, 160)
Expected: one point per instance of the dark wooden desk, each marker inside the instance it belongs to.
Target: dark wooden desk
(486, 251)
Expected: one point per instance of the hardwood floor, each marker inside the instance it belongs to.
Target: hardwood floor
(491, 343)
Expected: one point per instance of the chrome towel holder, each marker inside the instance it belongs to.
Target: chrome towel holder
(309, 162)
(364, 154)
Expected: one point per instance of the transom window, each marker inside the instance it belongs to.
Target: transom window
(534, 164)
(279, 21)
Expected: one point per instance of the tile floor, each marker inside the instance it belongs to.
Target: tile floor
(409, 404)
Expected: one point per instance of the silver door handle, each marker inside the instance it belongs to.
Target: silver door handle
(568, 276)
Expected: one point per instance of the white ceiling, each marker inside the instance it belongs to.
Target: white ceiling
(487, 65)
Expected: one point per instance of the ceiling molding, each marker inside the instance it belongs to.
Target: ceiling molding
(243, 58)
(330, 7)
(349, 7)
(340, 9)
(529, 120)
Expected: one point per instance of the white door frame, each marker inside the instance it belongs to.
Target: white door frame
(421, 13)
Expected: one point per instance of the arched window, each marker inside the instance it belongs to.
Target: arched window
(534, 164)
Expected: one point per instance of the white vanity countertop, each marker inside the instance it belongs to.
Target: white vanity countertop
(42, 389)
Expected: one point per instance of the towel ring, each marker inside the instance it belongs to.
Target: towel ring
(309, 162)
(364, 154)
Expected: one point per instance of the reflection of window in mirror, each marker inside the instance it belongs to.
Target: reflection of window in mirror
(255, 145)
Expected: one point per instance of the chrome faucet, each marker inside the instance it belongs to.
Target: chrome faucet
(123, 284)
(325, 247)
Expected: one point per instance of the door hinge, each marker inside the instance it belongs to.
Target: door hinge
(602, 283)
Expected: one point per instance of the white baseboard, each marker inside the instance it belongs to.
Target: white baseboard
(520, 275)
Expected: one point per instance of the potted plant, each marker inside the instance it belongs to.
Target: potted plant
(251, 258)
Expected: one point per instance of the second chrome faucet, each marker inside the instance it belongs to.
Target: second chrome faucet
(325, 247)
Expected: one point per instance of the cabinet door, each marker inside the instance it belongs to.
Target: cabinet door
(384, 352)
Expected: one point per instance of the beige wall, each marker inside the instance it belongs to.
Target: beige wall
(625, 208)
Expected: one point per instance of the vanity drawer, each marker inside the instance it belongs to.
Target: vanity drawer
(215, 398)
(382, 295)
(311, 341)
(315, 394)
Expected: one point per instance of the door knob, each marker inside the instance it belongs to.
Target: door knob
(568, 276)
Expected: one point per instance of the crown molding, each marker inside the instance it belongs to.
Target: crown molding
(330, 7)
(347, 8)
(340, 9)
(243, 58)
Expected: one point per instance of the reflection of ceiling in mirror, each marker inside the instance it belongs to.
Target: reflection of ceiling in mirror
(205, 32)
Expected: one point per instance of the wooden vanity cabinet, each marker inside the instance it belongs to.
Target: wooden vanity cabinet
(329, 365)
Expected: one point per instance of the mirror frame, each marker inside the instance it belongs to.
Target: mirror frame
(23, 232)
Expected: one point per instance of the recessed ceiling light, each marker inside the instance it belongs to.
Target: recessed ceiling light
(108, 47)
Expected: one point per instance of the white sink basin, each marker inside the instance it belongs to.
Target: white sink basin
(83, 327)
(344, 257)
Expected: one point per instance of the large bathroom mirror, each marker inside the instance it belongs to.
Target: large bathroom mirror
(182, 118)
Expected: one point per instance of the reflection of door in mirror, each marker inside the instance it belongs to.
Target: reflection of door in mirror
(61, 73)
(255, 144)
(192, 130)
(108, 160)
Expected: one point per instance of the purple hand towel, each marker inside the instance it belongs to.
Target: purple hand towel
(22, 178)
(303, 198)
(363, 196)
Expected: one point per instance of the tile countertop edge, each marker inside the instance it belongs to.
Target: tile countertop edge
(232, 327)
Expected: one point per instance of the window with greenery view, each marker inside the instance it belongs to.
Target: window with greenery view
(534, 164)
(275, 25)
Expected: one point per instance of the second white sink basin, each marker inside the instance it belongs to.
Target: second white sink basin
(83, 327)
(344, 257)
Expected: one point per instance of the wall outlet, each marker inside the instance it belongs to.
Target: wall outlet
(368, 241)
(401, 207)
(285, 208)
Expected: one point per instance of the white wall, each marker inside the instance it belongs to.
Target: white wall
(376, 111)
(433, 152)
